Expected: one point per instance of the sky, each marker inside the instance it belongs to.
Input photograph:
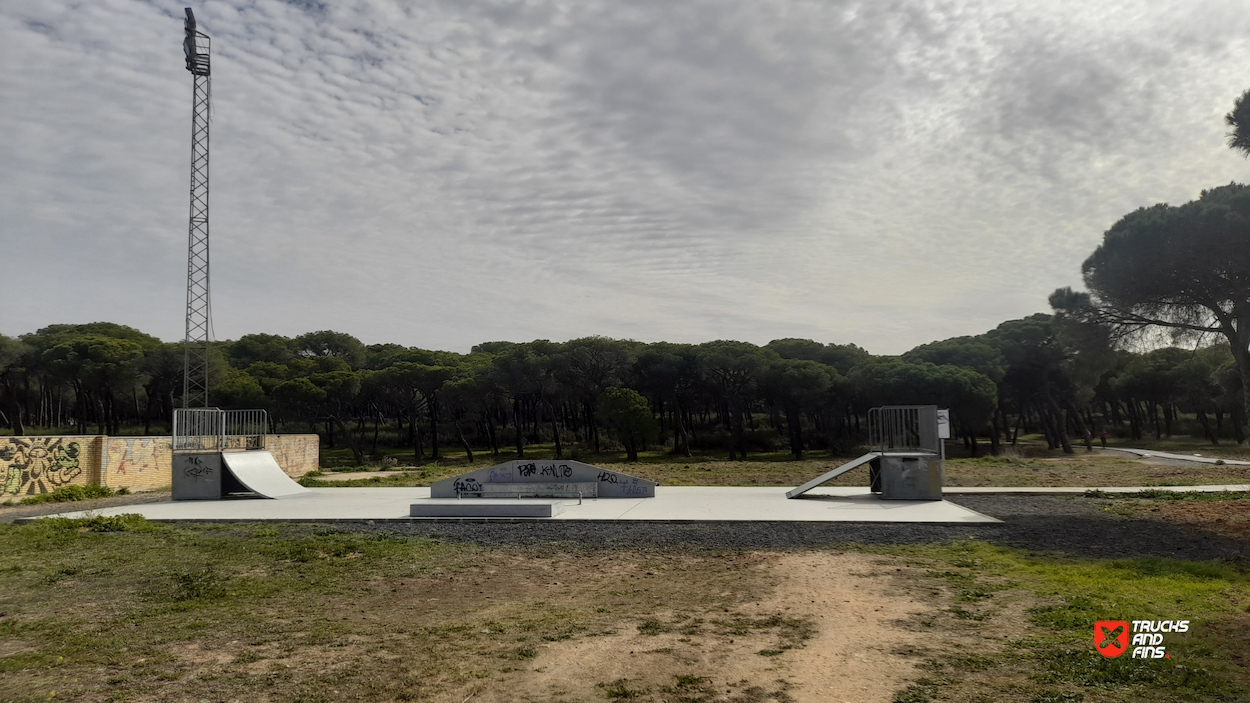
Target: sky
(449, 172)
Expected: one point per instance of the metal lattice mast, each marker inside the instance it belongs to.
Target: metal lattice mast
(196, 342)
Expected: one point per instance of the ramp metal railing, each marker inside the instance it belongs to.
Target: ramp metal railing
(215, 430)
(900, 428)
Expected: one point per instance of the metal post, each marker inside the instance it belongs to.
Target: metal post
(198, 329)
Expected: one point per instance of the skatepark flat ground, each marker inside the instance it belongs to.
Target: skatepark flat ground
(670, 504)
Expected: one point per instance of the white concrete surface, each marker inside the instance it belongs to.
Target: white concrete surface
(671, 503)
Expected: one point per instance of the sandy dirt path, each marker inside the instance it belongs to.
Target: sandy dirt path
(848, 605)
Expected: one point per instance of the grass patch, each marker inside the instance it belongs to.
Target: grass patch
(1057, 660)
(620, 689)
(152, 611)
(651, 627)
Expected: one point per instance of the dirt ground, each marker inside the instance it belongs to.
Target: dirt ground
(850, 618)
(1230, 518)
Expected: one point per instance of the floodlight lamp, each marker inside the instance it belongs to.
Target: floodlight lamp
(195, 47)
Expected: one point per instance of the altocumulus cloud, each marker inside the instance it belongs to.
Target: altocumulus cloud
(448, 172)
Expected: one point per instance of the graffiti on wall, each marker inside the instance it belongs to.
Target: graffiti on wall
(38, 464)
(128, 457)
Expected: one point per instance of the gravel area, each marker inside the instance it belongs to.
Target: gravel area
(1071, 525)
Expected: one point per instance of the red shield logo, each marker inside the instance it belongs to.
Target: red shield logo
(1111, 637)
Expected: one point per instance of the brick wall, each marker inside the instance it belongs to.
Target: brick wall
(31, 465)
(137, 463)
(297, 454)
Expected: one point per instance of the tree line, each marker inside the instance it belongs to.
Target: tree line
(1052, 374)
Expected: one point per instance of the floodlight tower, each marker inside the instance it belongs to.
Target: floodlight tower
(195, 345)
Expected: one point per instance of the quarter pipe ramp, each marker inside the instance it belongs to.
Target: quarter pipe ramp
(259, 473)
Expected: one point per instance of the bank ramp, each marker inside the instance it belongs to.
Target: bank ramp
(853, 463)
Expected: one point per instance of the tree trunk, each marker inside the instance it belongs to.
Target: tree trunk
(1062, 422)
(490, 433)
(795, 426)
(555, 431)
(739, 433)
(468, 451)
(516, 423)
(1206, 427)
(352, 442)
(1081, 428)
(16, 420)
(431, 405)
(1242, 356)
(414, 437)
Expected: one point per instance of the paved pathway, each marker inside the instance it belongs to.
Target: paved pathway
(1180, 457)
(955, 490)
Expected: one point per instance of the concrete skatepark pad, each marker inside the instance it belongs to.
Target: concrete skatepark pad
(260, 474)
(691, 504)
(829, 476)
(544, 476)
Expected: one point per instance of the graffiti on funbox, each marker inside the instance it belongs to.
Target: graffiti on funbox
(634, 489)
(556, 470)
(38, 464)
(468, 484)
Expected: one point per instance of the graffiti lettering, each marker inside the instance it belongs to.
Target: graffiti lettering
(500, 475)
(468, 485)
(526, 469)
(557, 470)
(38, 465)
(607, 477)
(195, 468)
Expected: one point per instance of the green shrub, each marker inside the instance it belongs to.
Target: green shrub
(66, 494)
(199, 585)
(128, 522)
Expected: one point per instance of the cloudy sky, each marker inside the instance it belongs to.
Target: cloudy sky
(446, 172)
